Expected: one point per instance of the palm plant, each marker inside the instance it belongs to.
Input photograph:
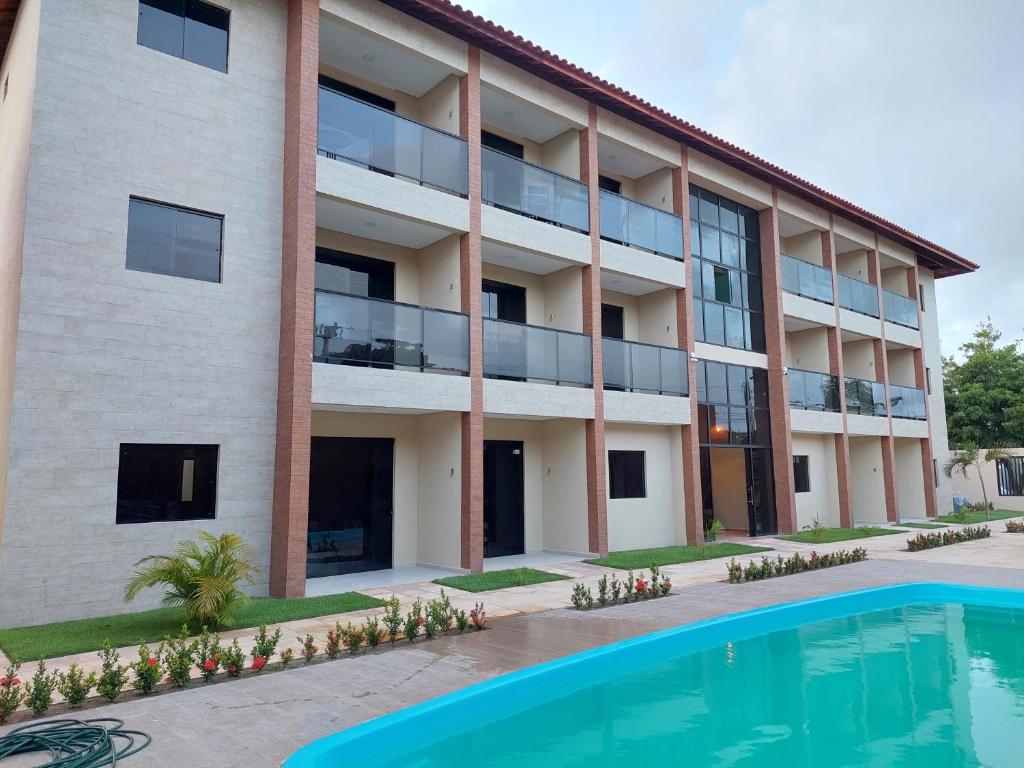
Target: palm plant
(713, 530)
(972, 456)
(202, 577)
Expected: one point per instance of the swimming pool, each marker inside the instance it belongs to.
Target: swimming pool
(909, 675)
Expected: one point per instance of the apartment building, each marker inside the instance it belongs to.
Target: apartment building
(379, 285)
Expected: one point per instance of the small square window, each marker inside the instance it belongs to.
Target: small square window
(801, 475)
(188, 29)
(170, 240)
(627, 474)
(165, 483)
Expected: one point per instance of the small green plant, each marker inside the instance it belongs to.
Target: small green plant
(333, 645)
(521, 576)
(478, 617)
(264, 646)
(414, 621)
(178, 655)
(640, 587)
(233, 659)
(602, 590)
(664, 586)
(735, 571)
(393, 618)
(713, 530)
(146, 669)
(962, 515)
(439, 612)
(113, 676)
(11, 692)
(208, 654)
(817, 530)
(628, 586)
(461, 620)
(1014, 526)
(39, 690)
(74, 685)
(309, 648)
(373, 632)
(287, 657)
(616, 590)
(353, 637)
(582, 598)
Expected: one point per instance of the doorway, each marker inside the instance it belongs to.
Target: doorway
(503, 498)
(351, 505)
(738, 489)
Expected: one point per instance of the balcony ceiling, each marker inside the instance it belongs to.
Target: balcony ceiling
(375, 225)
(501, 255)
(797, 324)
(845, 245)
(625, 160)
(791, 226)
(632, 286)
(353, 51)
(520, 118)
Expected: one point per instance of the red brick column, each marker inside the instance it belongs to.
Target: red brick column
(778, 388)
(597, 462)
(835, 367)
(920, 380)
(472, 518)
(693, 508)
(892, 512)
(290, 515)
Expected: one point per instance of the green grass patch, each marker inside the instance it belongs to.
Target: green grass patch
(636, 559)
(924, 525)
(488, 580)
(981, 517)
(62, 638)
(830, 535)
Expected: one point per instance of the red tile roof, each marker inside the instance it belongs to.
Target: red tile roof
(506, 45)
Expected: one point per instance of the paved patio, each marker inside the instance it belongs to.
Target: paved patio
(258, 721)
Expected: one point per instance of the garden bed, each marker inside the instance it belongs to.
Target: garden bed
(925, 541)
(632, 589)
(1015, 526)
(768, 568)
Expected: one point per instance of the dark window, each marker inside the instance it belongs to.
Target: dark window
(189, 29)
(801, 475)
(733, 405)
(500, 143)
(169, 240)
(609, 184)
(356, 93)
(161, 483)
(502, 301)
(358, 275)
(928, 379)
(627, 475)
(935, 471)
(1010, 476)
(611, 321)
(920, 295)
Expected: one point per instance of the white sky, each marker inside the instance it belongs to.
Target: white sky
(913, 109)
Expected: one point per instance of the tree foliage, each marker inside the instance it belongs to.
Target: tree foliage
(985, 392)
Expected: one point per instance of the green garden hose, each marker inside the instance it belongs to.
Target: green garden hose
(75, 743)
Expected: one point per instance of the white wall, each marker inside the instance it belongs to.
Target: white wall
(859, 359)
(937, 399)
(866, 480)
(822, 501)
(808, 350)
(971, 486)
(565, 486)
(909, 478)
(657, 520)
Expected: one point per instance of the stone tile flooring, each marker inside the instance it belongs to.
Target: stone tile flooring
(258, 721)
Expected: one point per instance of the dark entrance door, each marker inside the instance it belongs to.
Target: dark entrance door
(351, 493)
(503, 498)
(761, 492)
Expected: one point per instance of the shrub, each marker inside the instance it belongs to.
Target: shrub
(11, 692)
(735, 571)
(640, 587)
(616, 590)
(628, 586)
(333, 645)
(309, 648)
(945, 538)
(373, 632)
(414, 621)
(264, 646)
(113, 676)
(478, 616)
(582, 598)
(178, 657)
(353, 638)
(817, 530)
(795, 563)
(439, 611)
(665, 586)
(461, 620)
(392, 618)
(203, 577)
(208, 654)
(74, 685)
(287, 657)
(1015, 526)
(233, 659)
(146, 669)
(39, 690)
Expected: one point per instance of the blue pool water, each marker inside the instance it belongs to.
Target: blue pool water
(914, 675)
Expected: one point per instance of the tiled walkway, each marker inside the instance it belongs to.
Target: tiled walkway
(258, 721)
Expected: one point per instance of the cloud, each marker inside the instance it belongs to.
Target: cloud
(912, 109)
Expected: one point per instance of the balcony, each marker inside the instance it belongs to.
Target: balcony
(356, 132)
(866, 398)
(637, 225)
(355, 330)
(907, 403)
(805, 279)
(858, 296)
(899, 309)
(531, 353)
(529, 190)
(633, 367)
(813, 391)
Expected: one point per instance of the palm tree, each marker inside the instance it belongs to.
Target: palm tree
(201, 576)
(972, 456)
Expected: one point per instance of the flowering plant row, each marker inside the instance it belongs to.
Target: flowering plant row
(629, 590)
(1015, 526)
(795, 563)
(937, 539)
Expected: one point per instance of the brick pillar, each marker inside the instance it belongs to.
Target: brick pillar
(597, 462)
(835, 367)
(892, 512)
(472, 518)
(778, 388)
(693, 501)
(290, 515)
(921, 382)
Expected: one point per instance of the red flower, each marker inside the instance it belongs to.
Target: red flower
(232, 669)
(167, 679)
(151, 662)
(422, 621)
(209, 665)
(3, 682)
(15, 682)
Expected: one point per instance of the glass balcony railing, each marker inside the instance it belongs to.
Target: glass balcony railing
(631, 223)
(857, 295)
(355, 330)
(530, 190)
(813, 391)
(633, 367)
(899, 309)
(865, 397)
(806, 279)
(528, 352)
(360, 133)
(907, 402)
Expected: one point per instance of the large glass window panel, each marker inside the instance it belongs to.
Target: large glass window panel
(753, 298)
(162, 26)
(613, 217)
(755, 332)
(723, 287)
(709, 243)
(615, 363)
(703, 418)
(197, 246)
(717, 383)
(166, 482)
(151, 230)
(695, 238)
(696, 277)
(709, 208)
(734, 331)
(174, 241)
(730, 250)
(698, 321)
(729, 215)
(206, 35)
(718, 424)
(714, 323)
(646, 365)
(759, 424)
(740, 379)
(674, 374)
(702, 382)
(739, 432)
(752, 256)
(445, 341)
